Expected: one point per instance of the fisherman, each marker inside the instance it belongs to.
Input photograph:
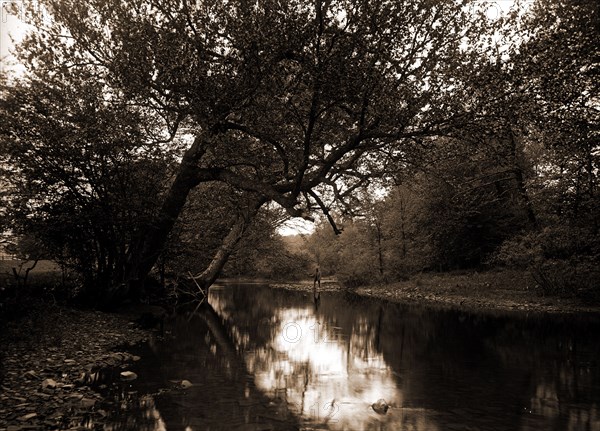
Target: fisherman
(317, 280)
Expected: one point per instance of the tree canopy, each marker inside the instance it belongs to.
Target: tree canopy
(125, 109)
(288, 102)
(516, 185)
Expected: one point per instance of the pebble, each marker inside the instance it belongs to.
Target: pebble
(87, 402)
(27, 417)
(128, 376)
(31, 375)
(49, 384)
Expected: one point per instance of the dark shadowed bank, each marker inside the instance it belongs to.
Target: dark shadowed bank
(489, 291)
(48, 361)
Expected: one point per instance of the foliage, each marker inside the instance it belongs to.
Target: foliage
(156, 134)
(265, 254)
(563, 260)
(269, 98)
(82, 183)
(564, 116)
(204, 222)
(352, 256)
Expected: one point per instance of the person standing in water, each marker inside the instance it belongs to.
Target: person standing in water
(316, 281)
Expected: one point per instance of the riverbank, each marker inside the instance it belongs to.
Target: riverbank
(48, 359)
(490, 291)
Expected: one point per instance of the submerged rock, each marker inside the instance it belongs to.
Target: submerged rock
(380, 406)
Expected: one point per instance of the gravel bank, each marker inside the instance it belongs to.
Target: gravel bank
(47, 361)
(491, 291)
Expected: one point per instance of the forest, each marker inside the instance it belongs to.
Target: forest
(146, 142)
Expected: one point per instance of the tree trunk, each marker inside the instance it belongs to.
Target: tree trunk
(521, 188)
(210, 274)
(531, 217)
(145, 251)
(402, 227)
(379, 247)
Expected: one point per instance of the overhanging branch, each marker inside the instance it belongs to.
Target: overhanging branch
(325, 211)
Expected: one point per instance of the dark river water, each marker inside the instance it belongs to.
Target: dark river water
(263, 359)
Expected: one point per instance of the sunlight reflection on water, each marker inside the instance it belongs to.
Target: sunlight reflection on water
(320, 375)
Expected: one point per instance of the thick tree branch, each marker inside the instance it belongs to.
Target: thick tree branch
(262, 137)
(325, 211)
(242, 182)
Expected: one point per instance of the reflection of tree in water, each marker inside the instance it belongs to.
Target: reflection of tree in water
(438, 369)
(505, 367)
(563, 359)
(224, 395)
(468, 369)
(254, 309)
(142, 415)
(332, 372)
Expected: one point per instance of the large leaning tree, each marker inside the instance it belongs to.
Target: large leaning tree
(287, 102)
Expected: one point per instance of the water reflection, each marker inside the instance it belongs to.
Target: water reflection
(263, 359)
(328, 377)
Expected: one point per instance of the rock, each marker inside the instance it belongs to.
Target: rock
(49, 384)
(128, 376)
(30, 375)
(43, 396)
(70, 361)
(87, 403)
(185, 384)
(118, 356)
(135, 358)
(27, 417)
(82, 379)
(75, 396)
(380, 406)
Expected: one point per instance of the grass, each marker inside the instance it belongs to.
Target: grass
(46, 274)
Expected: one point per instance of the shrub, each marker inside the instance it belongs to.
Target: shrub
(564, 261)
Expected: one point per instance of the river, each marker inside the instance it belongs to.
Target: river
(264, 359)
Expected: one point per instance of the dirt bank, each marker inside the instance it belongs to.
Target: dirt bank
(502, 290)
(47, 361)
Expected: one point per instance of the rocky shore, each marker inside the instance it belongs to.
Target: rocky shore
(492, 291)
(48, 361)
